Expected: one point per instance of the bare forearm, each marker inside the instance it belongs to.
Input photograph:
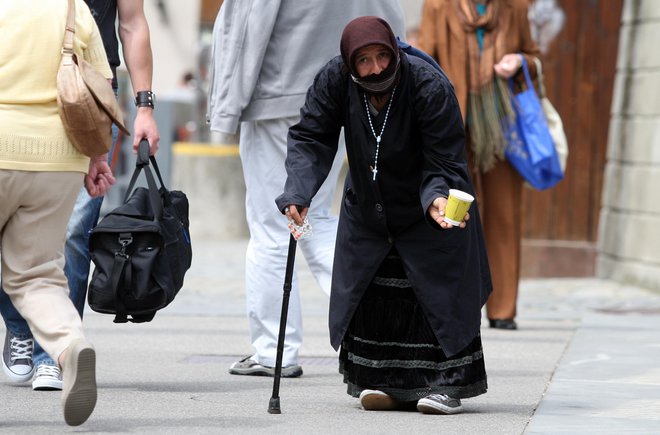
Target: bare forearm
(136, 43)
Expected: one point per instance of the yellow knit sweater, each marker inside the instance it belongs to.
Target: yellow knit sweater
(32, 137)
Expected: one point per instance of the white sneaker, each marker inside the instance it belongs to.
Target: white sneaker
(376, 400)
(79, 386)
(47, 378)
(439, 404)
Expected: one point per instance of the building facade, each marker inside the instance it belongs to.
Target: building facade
(629, 238)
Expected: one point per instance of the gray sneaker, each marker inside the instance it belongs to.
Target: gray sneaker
(17, 358)
(47, 378)
(439, 404)
(248, 366)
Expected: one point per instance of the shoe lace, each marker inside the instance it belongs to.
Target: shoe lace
(48, 370)
(21, 348)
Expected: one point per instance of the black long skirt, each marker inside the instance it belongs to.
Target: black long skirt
(390, 346)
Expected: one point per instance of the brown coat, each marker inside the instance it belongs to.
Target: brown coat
(441, 35)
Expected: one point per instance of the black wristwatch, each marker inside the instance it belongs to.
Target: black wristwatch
(145, 99)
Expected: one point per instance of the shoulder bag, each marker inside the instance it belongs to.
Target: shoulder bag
(85, 100)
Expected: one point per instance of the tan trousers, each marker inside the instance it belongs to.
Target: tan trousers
(34, 210)
(499, 193)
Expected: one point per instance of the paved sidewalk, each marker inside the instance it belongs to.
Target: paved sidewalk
(585, 360)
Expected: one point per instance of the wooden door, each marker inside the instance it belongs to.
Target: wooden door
(208, 11)
(560, 226)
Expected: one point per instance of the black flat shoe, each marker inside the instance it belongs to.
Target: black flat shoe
(509, 324)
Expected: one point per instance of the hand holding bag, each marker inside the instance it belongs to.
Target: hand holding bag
(530, 148)
(85, 100)
(555, 125)
(141, 250)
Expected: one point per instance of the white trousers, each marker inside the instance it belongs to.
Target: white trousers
(263, 151)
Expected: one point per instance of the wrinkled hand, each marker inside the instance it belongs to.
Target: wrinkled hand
(437, 213)
(145, 127)
(508, 65)
(291, 212)
(99, 176)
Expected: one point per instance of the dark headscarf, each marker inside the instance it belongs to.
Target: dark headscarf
(364, 31)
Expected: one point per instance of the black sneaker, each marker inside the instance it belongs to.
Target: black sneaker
(439, 404)
(17, 358)
(248, 366)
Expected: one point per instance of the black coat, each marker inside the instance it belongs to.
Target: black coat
(421, 157)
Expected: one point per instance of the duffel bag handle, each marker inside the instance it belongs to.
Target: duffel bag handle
(143, 159)
(142, 154)
(142, 163)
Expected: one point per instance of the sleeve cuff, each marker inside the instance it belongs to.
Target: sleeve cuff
(225, 124)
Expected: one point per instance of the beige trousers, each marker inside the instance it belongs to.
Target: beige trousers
(34, 210)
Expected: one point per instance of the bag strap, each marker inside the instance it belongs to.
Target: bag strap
(70, 29)
(142, 163)
(528, 78)
(152, 159)
(122, 274)
(117, 278)
(69, 33)
(539, 77)
(165, 193)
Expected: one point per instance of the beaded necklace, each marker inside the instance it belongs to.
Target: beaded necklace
(377, 137)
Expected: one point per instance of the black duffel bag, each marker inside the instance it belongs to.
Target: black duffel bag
(141, 250)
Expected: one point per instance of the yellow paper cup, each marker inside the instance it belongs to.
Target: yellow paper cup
(458, 204)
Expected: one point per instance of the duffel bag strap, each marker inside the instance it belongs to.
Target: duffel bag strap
(118, 277)
(165, 194)
(121, 280)
(155, 166)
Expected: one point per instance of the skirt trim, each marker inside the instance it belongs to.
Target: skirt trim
(391, 282)
(395, 343)
(415, 364)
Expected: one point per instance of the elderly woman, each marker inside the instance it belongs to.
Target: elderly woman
(407, 287)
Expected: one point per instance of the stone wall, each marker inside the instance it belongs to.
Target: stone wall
(212, 178)
(629, 235)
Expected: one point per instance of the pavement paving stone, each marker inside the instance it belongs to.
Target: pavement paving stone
(583, 361)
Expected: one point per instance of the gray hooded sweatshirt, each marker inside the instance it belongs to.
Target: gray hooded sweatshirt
(267, 52)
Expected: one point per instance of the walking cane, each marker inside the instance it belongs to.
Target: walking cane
(274, 404)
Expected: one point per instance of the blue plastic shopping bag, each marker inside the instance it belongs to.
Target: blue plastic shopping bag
(530, 148)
